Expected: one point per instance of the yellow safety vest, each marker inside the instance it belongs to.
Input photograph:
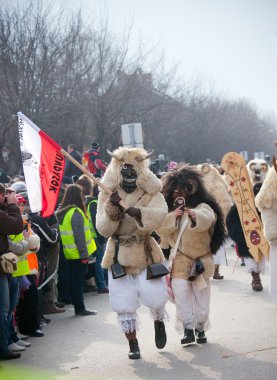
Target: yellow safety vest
(70, 249)
(28, 263)
(92, 228)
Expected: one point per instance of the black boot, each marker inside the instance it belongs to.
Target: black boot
(200, 336)
(134, 352)
(188, 337)
(160, 334)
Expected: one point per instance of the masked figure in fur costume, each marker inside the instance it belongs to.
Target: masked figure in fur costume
(266, 202)
(201, 238)
(129, 178)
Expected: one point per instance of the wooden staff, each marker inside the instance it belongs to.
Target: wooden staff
(91, 176)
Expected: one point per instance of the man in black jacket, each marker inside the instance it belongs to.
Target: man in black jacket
(10, 224)
(71, 169)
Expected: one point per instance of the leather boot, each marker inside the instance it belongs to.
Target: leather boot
(217, 275)
(134, 352)
(188, 337)
(256, 282)
(160, 334)
(200, 336)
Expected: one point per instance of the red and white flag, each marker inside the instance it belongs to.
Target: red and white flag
(43, 166)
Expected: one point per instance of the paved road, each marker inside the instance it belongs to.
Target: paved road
(242, 341)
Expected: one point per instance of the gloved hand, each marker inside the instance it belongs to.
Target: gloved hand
(133, 211)
(115, 199)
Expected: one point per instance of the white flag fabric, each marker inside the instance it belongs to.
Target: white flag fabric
(43, 166)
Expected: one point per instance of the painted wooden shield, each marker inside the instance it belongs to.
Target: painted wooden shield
(240, 186)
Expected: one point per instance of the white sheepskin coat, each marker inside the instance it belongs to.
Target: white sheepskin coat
(217, 186)
(148, 198)
(266, 202)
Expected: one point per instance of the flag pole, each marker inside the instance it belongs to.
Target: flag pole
(91, 176)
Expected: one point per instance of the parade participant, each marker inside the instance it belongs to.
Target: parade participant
(257, 170)
(202, 236)
(78, 244)
(129, 178)
(266, 202)
(95, 165)
(236, 233)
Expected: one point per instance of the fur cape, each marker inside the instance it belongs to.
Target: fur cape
(217, 186)
(266, 202)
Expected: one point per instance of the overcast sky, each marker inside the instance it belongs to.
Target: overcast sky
(230, 44)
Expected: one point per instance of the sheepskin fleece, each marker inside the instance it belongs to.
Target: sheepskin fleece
(153, 209)
(217, 186)
(266, 202)
(257, 163)
(195, 241)
(146, 180)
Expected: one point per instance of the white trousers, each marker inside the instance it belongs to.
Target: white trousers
(273, 269)
(253, 266)
(129, 292)
(192, 305)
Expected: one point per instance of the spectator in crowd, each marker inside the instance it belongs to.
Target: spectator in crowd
(78, 244)
(10, 223)
(70, 168)
(3, 177)
(91, 200)
(94, 162)
(49, 257)
(24, 244)
(130, 244)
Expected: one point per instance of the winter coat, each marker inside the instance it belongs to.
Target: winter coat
(266, 201)
(10, 224)
(70, 168)
(134, 238)
(195, 241)
(77, 224)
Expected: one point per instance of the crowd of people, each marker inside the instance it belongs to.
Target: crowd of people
(116, 242)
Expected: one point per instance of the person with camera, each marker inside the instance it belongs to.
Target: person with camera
(10, 223)
(130, 248)
(194, 229)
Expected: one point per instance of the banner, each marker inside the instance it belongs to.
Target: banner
(43, 166)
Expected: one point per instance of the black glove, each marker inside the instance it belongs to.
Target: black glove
(115, 199)
(133, 211)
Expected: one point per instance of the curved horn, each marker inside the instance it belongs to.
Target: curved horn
(139, 159)
(274, 162)
(113, 155)
(205, 168)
